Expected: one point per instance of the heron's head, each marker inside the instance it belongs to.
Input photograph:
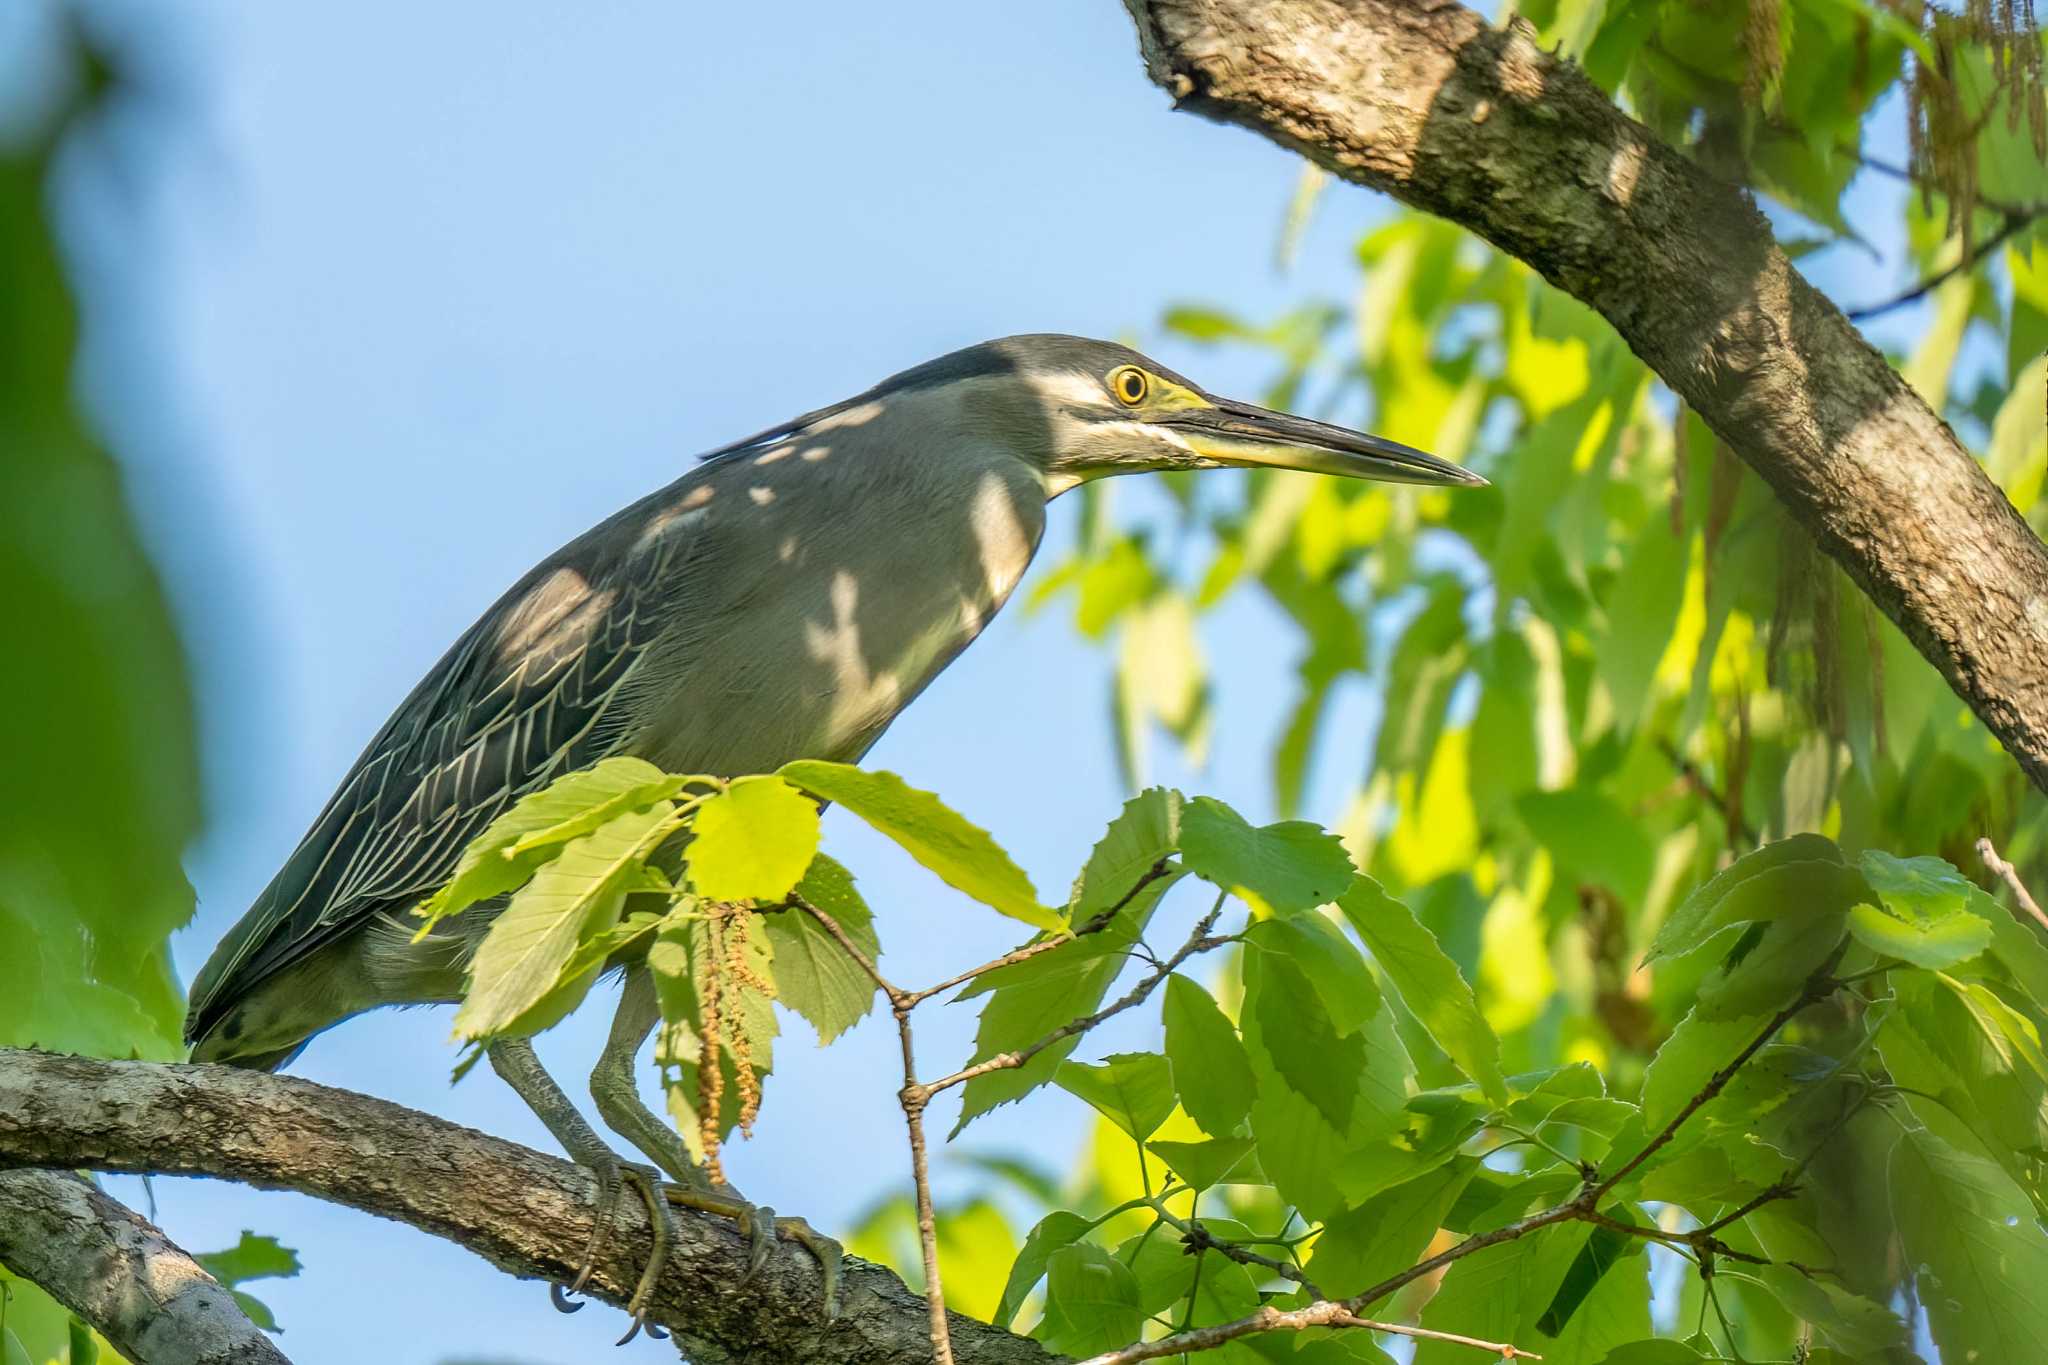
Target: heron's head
(1083, 409)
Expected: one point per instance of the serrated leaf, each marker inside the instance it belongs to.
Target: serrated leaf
(1091, 1302)
(1133, 1090)
(1287, 867)
(1769, 884)
(1146, 831)
(1930, 943)
(1980, 1254)
(1313, 1058)
(1202, 1164)
(1210, 1070)
(1602, 1251)
(1660, 1352)
(1029, 1000)
(752, 841)
(813, 974)
(1378, 1239)
(1057, 1229)
(516, 983)
(1772, 971)
(1428, 981)
(961, 854)
(1342, 981)
(1696, 1049)
(505, 855)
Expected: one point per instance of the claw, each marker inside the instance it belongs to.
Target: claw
(559, 1294)
(831, 1257)
(761, 1227)
(648, 1184)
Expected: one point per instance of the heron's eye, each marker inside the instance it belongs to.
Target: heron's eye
(1130, 385)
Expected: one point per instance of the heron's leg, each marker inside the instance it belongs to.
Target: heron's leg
(514, 1059)
(618, 1100)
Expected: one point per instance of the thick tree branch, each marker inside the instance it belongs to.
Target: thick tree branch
(526, 1213)
(122, 1275)
(1424, 100)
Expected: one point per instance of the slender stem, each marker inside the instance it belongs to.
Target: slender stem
(1270, 1319)
(2012, 224)
(2010, 875)
(1030, 950)
(1199, 1237)
(914, 1097)
(1818, 987)
(1200, 941)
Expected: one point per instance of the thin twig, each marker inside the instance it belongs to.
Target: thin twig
(1199, 1237)
(2010, 875)
(1818, 987)
(1096, 925)
(914, 1097)
(1324, 1313)
(2012, 224)
(1200, 941)
(1729, 806)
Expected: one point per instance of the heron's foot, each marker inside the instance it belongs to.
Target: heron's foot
(762, 1227)
(613, 1177)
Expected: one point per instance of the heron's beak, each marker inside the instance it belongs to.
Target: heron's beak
(1233, 433)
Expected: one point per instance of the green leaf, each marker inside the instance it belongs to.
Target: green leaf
(1057, 1229)
(1143, 834)
(1933, 944)
(251, 1258)
(1133, 1090)
(1981, 1255)
(1641, 614)
(1313, 1058)
(1031, 999)
(1428, 981)
(1202, 1164)
(1770, 972)
(752, 841)
(1601, 1252)
(1286, 867)
(1855, 1325)
(515, 980)
(1926, 889)
(1210, 1070)
(1696, 1049)
(505, 855)
(1342, 981)
(1378, 1239)
(1797, 876)
(962, 855)
(1593, 837)
(813, 974)
(1091, 1302)
(1298, 1150)
(1660, 1352)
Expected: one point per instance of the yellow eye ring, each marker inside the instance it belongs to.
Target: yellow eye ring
(1130, 385)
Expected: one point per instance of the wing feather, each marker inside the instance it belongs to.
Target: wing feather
(545, 683)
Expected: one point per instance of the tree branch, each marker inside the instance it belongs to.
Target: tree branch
(121, 1275)
(526, 1213)
(1431, 104)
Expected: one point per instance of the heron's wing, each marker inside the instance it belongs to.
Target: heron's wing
(541, 686)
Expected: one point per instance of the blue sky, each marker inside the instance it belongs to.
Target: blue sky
(414, 293)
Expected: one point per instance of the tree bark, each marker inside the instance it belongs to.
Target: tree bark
(1424, 100)
(121, 1275)
(526, 1213)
